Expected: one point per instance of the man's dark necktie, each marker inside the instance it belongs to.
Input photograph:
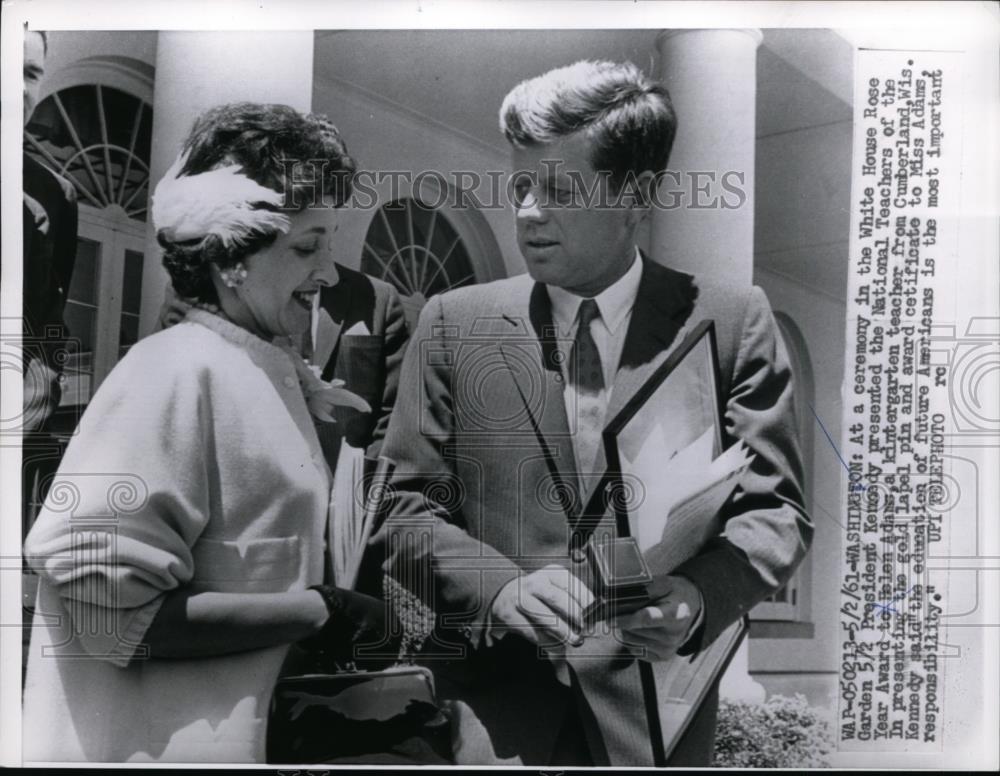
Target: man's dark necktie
(587, 374)
(590, 372)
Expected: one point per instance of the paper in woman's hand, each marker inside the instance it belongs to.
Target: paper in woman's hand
(346, 518)
(352, 513)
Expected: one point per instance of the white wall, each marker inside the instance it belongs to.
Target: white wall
(821, 320)
(383, 136)
(802, 223)
(123, 59)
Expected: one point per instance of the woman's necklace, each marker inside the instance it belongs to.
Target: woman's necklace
(214, 309)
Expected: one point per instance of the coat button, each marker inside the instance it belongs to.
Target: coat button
(289, 381)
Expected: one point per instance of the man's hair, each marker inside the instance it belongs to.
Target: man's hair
(263, 140)
(628, 116)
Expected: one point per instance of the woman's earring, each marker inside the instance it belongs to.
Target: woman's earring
(233, 276)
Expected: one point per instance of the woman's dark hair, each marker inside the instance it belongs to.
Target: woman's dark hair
(301, 156)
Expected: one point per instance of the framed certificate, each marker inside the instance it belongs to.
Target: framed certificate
(678, 405)
(666, 454)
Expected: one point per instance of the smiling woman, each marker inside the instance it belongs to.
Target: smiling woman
(282, 280)
(174, 614)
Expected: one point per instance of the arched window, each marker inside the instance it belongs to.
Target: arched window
(98, 138)
(420, 251)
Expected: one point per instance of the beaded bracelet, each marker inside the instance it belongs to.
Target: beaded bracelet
(415, 617)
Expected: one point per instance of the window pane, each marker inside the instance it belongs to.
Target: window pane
(132, 283)
(83, 286)
(80, 315)
(415, 248)
(81, 320)
(111, 169)
(129, 333)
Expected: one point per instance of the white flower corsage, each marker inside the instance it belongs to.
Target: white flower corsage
(322, 396)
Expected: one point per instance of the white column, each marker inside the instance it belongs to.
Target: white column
(711, 76)
(198, 70)
(712, 79)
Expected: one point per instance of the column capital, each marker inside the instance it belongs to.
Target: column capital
(754, 34)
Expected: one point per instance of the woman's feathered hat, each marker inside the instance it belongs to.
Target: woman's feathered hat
(222, 202)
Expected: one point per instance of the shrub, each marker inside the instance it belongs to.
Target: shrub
(780, 733)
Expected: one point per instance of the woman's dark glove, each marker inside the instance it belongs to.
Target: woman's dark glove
(356, 621)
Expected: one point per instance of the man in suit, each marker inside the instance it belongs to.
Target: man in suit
(366, 350)
(49, 213)
(504, 392)
(49, 218)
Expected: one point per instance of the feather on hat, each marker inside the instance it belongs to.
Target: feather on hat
(218, 202)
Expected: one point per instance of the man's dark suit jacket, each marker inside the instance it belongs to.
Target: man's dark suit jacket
(49, 255)
(480, 378)
(368, 363)
(49, 218)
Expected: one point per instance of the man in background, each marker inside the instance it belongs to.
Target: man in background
(50, 224)
(49, 220)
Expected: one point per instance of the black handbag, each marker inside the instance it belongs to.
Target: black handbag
(328, 713)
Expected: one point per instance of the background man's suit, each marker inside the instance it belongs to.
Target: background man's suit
(478, 383)
(368, 348)
(50, 224)
(49, 217)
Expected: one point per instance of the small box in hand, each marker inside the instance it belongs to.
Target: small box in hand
(620, 578)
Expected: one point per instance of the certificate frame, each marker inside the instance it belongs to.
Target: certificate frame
(610, 481)
(703, 336)
(674, 690)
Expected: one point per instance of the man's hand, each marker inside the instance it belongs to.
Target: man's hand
(656, 632)
(545, 606)
(42, 392)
